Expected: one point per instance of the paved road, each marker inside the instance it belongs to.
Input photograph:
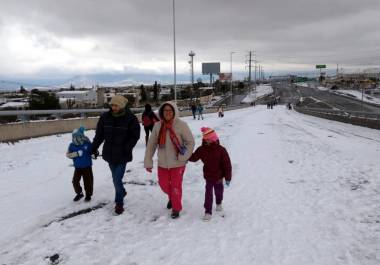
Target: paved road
(324, 99)
(235, 100)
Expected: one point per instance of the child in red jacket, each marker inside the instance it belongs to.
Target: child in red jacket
(217, 166)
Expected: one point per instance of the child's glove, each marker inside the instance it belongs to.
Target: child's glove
(227, 184)
(71, 155)
(80, 153)
(95, 154)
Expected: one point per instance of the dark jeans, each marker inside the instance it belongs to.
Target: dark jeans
(88, 180)
(211, 186)
(147, 130)
(118, 171)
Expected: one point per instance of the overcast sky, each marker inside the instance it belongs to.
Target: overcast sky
(47, 37)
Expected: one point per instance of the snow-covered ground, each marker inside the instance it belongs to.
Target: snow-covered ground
(358, 95)
(261, 91)
(322, 88)
(302, 84)
(304, 191)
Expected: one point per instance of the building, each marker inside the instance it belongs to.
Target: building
(78, 99)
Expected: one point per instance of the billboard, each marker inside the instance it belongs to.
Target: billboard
(210, 68)
(225, 76)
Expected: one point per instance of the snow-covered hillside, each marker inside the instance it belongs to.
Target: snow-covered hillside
(304, 191)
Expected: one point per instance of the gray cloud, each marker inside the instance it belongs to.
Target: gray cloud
(140, 31)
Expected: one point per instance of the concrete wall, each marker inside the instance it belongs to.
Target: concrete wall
(25, 130)
(18, 131)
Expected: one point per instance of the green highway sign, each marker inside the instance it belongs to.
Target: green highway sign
(320, 66)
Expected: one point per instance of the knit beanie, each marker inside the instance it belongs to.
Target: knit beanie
(78, 136)
(119, 100)
(209, 134)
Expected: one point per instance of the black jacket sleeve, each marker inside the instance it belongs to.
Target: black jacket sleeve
(134, 133)
(99, 135)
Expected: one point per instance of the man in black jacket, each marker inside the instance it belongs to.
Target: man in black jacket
(120, 131)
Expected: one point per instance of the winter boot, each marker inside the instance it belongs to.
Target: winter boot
(119, 209)
(78, 197)
(207, 217)
(219, 208)
(175, 214)
(169, 205)
(87, 198)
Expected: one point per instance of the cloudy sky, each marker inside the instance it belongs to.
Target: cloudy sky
(47, 37)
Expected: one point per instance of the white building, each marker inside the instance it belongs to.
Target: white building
(77, 99)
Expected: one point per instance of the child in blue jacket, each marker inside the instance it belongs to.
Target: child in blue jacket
(80, 151)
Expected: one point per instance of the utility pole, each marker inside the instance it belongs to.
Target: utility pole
(337, 70)
(255, 73)
(249, 65)
(250, 69)
(231, 71)
(175, 59)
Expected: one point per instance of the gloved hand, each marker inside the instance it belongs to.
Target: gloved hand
(80, 152)
(71, 155)
(182, 150)
(95, 154)
(227, 183)
(149, 169)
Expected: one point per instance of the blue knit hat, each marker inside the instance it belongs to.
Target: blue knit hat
(78, 136)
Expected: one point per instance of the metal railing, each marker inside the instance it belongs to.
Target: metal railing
(58, 111)
(344, 113)
(370, 120)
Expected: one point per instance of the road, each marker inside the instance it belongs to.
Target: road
(321, 99)
(235, 100)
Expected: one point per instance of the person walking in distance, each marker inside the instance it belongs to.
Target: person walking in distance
(200, 111)
(149, 118)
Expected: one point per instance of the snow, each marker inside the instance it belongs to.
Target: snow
(302, 84)
(358, 95)
(304, 191)
(14, 105)
(261, 91)
(322, 88)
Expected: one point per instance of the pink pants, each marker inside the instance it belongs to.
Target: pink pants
(170, 180)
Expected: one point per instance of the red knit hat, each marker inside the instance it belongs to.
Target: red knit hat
(209, 134)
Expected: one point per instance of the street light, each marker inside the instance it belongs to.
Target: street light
(175, 63)
(231, 72)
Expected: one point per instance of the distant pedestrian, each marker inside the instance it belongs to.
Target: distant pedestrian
(80, 151)
(216, 167)
(148, 118)
(194, 110)
(220, 112)
(119, 129)
(200, 111)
